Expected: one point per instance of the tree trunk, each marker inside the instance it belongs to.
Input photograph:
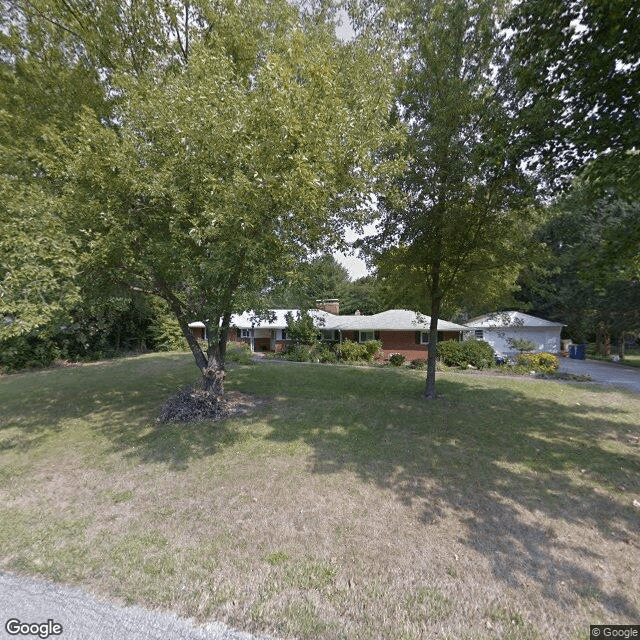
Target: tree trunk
(621, 345)
(213, 375)
(600, 341)
(436, 295)
(212, 366)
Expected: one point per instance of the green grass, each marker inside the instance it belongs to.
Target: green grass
(348, 507)
(631, 357)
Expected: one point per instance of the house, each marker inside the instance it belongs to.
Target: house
(499, 328)
(400, 330)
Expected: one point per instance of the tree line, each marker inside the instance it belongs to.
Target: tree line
(165, 161)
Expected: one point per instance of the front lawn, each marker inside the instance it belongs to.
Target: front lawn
(347, 508)
(631, 357)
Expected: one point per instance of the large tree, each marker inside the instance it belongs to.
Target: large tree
(241, 145)
(575, 67)
(318, 278)
(44, 84)
(576, 71)
(587, 274)
(457, 210)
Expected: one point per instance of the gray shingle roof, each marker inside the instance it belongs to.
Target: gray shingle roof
(511, 319)
(392, 320)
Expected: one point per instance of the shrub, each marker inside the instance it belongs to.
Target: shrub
(167, 334)
(396, 359)
(239, 352)
(522, 344)
(476, 353)
(541, 362)
(300, 353)
(450, 353)
(372, 348)
(418, 363)
(27, 352)
(325, 354)
(301, 330)
(350, 351)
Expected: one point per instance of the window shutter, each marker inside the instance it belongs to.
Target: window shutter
(376, 335)
(418, 336)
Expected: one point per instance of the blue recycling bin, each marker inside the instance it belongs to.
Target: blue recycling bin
(577, 351)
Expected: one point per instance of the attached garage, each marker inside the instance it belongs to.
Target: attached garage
(499, 328)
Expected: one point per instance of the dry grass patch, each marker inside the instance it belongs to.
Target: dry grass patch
(346, 508)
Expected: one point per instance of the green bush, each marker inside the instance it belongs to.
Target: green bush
(522, 344)
(300, 353)
(350, 351)
(372, 349)
(302, 329)
(540, 362)
(325, 354)
(239, 352)
(167, 334)
(396, 359)
(418, 363)
(450, 353)
(28, 352)
(476, 353)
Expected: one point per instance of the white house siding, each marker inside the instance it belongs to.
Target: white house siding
(500, 327)
(544, 339)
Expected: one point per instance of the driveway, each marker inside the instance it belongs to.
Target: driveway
(83, 617)
(610, 373)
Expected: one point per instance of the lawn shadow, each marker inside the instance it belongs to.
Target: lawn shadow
(173, 443)
(119, 400)
(499, 459)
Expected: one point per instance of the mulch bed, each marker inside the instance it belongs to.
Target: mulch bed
(193, 404)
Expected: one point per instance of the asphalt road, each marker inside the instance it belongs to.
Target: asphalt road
(610, 373)
(83, 617)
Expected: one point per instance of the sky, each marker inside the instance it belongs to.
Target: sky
(354, 265)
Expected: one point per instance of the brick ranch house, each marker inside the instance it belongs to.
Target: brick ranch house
(400, 330)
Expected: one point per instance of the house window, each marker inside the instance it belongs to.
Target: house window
(424, 337)
(330, 334)
(479, 334)
(284, 335)
(245, 333)
(366, 335)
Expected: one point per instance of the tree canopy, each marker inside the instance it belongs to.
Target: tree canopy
(587, 274)
(576, 70)
(319, 278)
(237, 140)
(458, 209)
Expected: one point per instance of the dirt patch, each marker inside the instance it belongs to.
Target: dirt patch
(193, 404)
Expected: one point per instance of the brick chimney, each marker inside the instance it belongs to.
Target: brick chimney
(330, 306)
